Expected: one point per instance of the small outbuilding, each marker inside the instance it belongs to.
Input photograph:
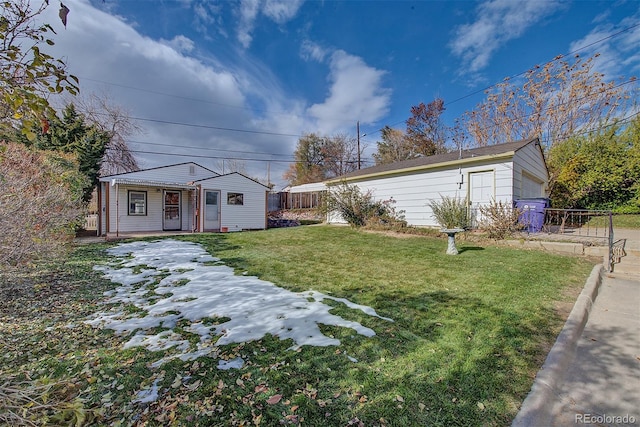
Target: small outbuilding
(180, 197)
(502, 172)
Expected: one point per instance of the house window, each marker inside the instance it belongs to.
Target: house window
(235, 199)
(137, 202)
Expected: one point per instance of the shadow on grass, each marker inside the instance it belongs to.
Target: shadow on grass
(449, 358)
(464, 249)
(470, 362)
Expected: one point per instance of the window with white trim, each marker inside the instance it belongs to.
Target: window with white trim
(235, 199)
(137, 203)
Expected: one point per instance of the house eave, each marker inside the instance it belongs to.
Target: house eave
(147, 183)
(441, 165)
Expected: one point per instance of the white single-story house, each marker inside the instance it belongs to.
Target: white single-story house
(180, 197)
(502, 172)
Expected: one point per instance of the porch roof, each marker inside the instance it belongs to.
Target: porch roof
(148, 183)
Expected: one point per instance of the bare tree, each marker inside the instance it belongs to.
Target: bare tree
(225, 166)
(555, 101)
(117, 123)
(340, 155)
(425, 130)
(40, 199)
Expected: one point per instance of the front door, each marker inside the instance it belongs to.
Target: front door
(211, 210)
(172, 220)
(481, 193)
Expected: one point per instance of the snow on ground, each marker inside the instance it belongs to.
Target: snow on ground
(195, 286)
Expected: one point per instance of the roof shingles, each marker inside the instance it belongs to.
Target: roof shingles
(490, 150)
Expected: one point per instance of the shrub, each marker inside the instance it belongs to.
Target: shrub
(499, 219)
(386, 216)
(40, 203)
(360, 209)
(450, 212)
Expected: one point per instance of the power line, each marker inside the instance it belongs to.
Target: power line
(554, 106)
(207, 148)
(620, 122)
(557, 58)
(194, 125)
(205, 156)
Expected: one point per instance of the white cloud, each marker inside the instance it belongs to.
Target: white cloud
(165, 81)
(356, 93)
(313, 51)
(180, 43)
(618, 54)
(177, 81)
(497, 22)
(248, 13)
(279, 11)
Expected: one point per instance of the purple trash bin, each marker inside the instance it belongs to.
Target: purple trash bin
(532, 216)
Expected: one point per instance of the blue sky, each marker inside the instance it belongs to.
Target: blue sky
(244, 79)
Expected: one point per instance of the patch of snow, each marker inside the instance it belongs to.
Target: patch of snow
(187, 289)
(148, 395)
(225, 365)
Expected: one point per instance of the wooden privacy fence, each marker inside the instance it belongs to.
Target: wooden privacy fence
(285, 200)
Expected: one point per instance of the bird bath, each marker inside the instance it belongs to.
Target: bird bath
(451, 233)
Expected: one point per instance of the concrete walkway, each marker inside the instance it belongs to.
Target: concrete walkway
(592, 374)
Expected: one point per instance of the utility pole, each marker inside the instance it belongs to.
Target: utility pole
(358, 131)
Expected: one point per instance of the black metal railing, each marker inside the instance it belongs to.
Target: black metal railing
(588, 225)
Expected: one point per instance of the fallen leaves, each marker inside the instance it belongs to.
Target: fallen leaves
(276, 398)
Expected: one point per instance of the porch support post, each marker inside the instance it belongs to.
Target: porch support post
(117, 210)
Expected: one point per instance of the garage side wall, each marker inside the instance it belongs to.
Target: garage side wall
(413, 191)
(531, 177)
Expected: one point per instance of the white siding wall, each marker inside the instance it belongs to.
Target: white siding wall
(252, 214)
(412, 192)
(529, 162)
(121, 221)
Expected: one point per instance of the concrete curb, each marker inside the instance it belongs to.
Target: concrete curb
(536, 408)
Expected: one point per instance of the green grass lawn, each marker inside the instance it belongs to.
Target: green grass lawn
(469, 333)
(619, 221)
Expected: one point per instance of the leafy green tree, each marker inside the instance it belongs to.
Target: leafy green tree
(72, 134)
(28, 75)
(601, 171)
(321, 157)
(394, 147)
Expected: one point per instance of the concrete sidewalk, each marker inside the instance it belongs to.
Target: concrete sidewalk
(592, 374)
(602, 384)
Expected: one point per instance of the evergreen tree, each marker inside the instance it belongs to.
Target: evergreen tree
(72, 134)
